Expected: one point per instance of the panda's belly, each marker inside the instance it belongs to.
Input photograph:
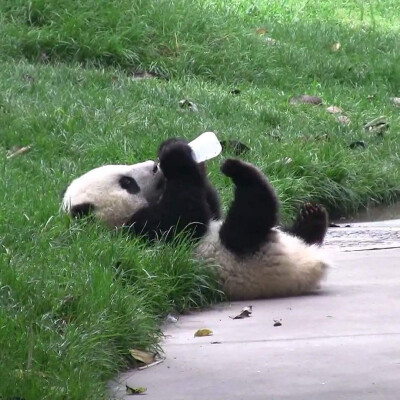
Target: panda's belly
(283, 267)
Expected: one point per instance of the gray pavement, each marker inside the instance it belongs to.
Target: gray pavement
(341, 344)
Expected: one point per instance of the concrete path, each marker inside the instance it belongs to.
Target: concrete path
(342, 344)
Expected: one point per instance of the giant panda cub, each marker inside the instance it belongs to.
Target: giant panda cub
(252, 257)
(112, 193)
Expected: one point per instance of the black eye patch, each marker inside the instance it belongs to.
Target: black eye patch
(129, 184)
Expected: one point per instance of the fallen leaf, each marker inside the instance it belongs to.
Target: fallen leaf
(261, 31)
(343, 119)
(306, 99)
(142, 356)
(137, 75)
(277, 323)
(235, 146)
(336, 46)
(245, 313)
(137, 390)
(17, 151)
(357, 143)
(203, 332)
(395, 101)
(172, 318)
(334, 110)
(188, 105)
(377, 125)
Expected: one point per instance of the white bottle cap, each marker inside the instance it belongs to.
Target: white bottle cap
(205, 146)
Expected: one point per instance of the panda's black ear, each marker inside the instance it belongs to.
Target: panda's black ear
(82, 210)
(129, 184)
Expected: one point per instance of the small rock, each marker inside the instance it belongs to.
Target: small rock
(306, 99)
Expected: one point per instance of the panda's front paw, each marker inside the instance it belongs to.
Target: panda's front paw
(176, 159)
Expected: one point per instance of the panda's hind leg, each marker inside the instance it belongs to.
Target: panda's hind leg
(253, 212)
(311, 224)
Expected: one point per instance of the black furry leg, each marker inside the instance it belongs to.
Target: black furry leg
(310, 224)
(183, 205)
(211, 193)
(253, 212)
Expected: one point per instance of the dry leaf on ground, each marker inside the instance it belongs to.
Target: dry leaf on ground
(137, 390)
(203, 332)
(343, 119)
(142, 356)
(377, 125)
(334, 110)
(306, 99)
(245, 313)
(17, 151)
(261, 31)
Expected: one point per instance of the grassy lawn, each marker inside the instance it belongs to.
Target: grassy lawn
(69, 312)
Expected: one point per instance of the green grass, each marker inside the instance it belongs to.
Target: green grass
(68, 315)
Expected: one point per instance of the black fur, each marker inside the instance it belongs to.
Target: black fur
(253, 212)
(82, 210)
(183, 205)
(311, 224)
(129, 184)
(211, 193)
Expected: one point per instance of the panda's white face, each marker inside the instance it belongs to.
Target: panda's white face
(114, 192)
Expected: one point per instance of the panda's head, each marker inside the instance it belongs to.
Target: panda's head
(112, 193)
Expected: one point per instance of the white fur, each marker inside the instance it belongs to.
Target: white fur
(113, 205)
(284, 266)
